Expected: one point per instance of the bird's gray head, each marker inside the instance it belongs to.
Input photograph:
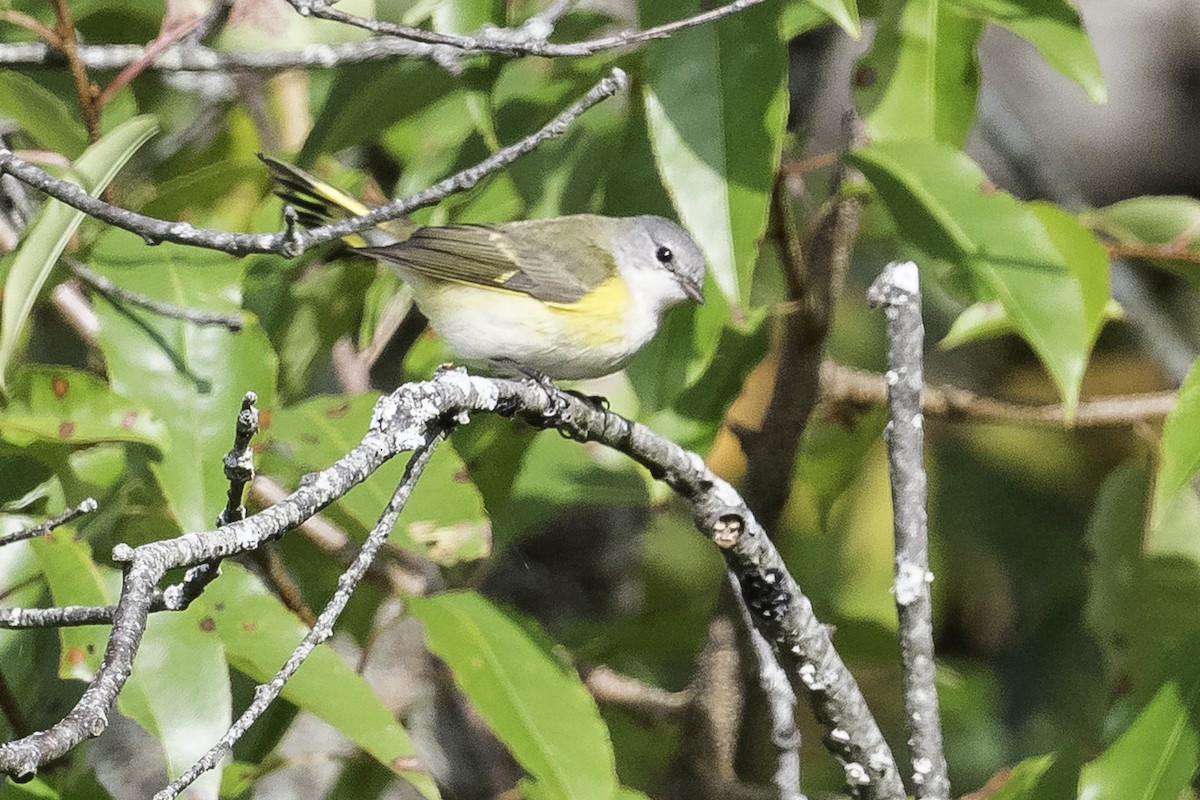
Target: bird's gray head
(666, 258)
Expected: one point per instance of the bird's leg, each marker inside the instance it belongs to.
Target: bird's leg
(557, 397)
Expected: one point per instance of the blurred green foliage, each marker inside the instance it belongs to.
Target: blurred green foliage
(1066, 560)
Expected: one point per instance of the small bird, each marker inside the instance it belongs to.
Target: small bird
(563, 298)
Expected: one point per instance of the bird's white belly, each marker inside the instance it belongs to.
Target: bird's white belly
(594, 337)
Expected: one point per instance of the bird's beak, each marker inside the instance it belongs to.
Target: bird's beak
(692, 289)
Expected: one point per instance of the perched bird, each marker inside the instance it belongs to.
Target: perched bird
(563, 298)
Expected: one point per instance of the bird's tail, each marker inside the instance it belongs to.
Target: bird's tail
(317, 203)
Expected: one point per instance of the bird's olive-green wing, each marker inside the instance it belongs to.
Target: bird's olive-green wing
(554, 260)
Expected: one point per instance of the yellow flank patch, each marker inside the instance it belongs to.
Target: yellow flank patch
(599, 316)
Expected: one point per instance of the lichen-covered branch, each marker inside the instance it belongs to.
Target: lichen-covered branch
(898, 291)
(403, 421)
(514, 43)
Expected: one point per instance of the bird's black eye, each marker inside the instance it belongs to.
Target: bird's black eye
(664, 255)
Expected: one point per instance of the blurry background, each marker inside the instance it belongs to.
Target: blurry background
(1035, 531)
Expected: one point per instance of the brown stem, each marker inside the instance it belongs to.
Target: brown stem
(89, 93)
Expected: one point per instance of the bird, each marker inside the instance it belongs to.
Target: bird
(562, 298)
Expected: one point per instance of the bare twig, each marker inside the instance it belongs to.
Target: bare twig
(399, 572)
(117, 295)
(322, 631)
(404, 421)
(855, 387)
(294, 243)
(86, 507)
(649, 702)
(194, 58)
(504, 42)
(898, 291)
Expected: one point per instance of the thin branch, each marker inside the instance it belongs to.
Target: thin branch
(646, 701)
(322, 631)
(152, 51)
(86, 507)
(782, 699)
(859, 388)
(239, 461)
(403, 421)
(898, 291)
(506, 42)
(101, 284)
(87, 91)
(195, 58)
(292, 244)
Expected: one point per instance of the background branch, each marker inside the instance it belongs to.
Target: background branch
(292, 244)
(856, 387)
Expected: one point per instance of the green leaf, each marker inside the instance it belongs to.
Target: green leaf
(72, 407)
(177, 650)
(443, 519)
(1054, 776)
(35, 789)
(923, 74)
(1047, 272)
(536, 705)
(191, 377)
(717, 140)
(75, 579)
(50, 231)
(1178, 452)
(42, 114)
(1155, 758)
(345, 120)
(259, 634)
(842, 12)
(1054, 28)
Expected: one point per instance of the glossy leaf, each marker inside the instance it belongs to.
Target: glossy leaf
(75, 579)
(259, 634)
(717, 139)
(72, 407)
(177, 651)
(531, 700)
(1131, 592)
(1155, 758)
(191, 377)
(443, 520)
(50, 231)
(49, 121)
(1178, 452)
(1049, 274)
(1054, 28)
(922, 76)
(842, 12)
